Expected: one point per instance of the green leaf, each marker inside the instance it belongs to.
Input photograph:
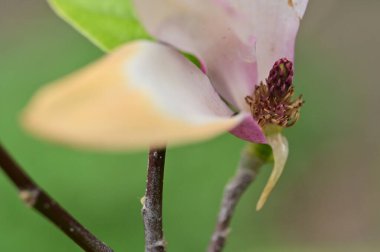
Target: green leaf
(107, 23)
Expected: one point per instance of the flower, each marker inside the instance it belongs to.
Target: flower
(147, 93)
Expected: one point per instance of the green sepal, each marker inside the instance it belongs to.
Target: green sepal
(193, 59)
(262, 151)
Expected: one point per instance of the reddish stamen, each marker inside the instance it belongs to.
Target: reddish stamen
(271, 103)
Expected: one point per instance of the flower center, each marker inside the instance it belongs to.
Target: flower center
(272, 103)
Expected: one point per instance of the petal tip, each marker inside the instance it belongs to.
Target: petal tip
(249, 130)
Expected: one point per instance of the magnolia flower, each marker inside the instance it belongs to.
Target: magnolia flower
(146, 93)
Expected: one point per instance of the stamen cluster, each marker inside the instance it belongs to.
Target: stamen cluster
(272, 103)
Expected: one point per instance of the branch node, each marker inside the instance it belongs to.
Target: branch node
(142, 201)
(29, 196)
(158, 244)
(36, 198)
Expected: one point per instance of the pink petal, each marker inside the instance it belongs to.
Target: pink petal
(249, 130)
(205, 29)
(274, 24)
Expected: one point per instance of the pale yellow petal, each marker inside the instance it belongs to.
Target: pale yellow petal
(143, 94)
(280, 151)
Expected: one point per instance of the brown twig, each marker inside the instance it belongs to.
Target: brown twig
(152, 202)
(35, 197)
(246, 173)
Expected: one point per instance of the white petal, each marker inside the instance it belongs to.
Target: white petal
(280, 151)
(206, 29)
(274, 24)
(143, 94)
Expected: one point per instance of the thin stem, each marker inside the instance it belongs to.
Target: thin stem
(246, 173)
(33, 196)
(152, 202)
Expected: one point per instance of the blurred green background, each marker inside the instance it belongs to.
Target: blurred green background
(327, 200)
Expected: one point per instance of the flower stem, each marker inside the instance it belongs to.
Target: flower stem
(152, 202)
(33, 196)
(248, 168)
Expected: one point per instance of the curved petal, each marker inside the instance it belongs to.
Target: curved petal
(205, 29)
(143, 94)
(280, 151)
(274, 24)
(249, 130)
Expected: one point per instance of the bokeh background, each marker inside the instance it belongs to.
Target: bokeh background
(327, 200)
